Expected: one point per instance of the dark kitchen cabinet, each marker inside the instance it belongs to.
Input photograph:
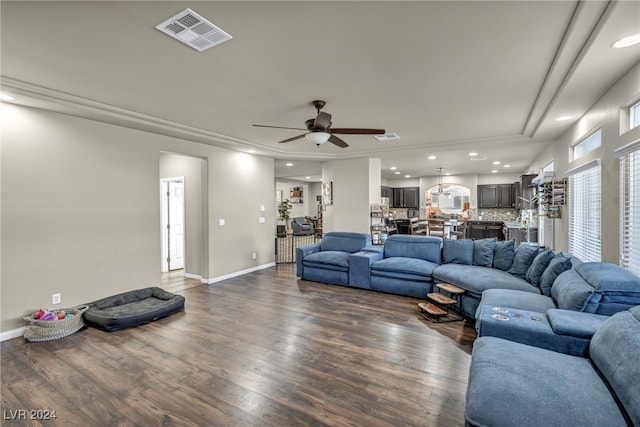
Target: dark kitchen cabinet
(527, 191)
(411, 197)
(387, 192)
(485, 229)
(495, 196)
(404, 197)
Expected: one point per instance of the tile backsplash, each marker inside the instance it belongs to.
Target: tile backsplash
(499, 214)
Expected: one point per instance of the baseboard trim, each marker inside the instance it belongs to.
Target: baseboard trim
(192, 276)
(237, 273)
(14, 333)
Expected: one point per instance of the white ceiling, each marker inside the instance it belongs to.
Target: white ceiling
(448, 77)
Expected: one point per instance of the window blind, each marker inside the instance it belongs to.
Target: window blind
(584, 212)
(630, 211)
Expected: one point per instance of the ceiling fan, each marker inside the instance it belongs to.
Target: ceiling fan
(320, 130)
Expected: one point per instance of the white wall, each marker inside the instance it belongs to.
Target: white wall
(609, 114)
(81, 210)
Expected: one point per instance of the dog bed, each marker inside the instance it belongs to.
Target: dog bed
(132, 308)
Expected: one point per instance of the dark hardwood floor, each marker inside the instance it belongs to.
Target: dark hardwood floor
(264, 349)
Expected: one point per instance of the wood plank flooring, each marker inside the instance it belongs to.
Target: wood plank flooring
(264, 349)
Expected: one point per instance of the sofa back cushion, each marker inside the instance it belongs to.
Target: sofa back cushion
(522, 260)
(558, 264)
(615, 350)
(427, 248)
(345, 241)
(597, 287)
(503, 254)
(457, 251)
(483, 252)
(538, 266)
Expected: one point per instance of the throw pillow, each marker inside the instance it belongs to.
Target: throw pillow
(503, 254)
(483, 252)
(539, 264)
(558, 265)
(525, 254)
(457, 251)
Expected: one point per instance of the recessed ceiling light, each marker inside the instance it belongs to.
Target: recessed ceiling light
(563, 118)
(432, 157)
(407, 176)
(289, 164)
(4, 97)
(627, 41)
(506, 166)
(473, 154)
(497, 162)
(494, 171)
(397, 173)
(307, 177)
(393, 168)
(448, 173)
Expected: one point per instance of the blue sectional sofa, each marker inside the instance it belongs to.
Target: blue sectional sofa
(328, 260)
(410, 265)
(580, 301)
(515, 384)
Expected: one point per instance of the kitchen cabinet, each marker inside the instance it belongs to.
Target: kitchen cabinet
(387, 192)
(485, 229)
(495, 196)
(527, 191)
(405, 197)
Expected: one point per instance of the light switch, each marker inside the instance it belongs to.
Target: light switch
(262, 219)
(221, 221)
(262, 208)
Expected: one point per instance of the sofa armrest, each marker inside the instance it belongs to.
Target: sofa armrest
(302, 252)
(574, 323)
(378, 249)
(359, 268)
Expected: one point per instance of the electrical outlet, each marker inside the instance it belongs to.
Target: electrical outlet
(56, 299)
(253, 255)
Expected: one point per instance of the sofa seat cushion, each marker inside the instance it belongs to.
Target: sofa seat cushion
(329, 260)
(512, 384)
(476, 279)
(401, 266)
(132, 308)
(509, 298)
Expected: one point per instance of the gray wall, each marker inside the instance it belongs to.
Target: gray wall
(192, 169)
(81, 210)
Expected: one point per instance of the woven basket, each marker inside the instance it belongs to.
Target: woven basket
(50, 330)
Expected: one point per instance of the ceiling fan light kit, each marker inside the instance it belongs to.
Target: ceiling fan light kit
(320, 130)
(317, 138)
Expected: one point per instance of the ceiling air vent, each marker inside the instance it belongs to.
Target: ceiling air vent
(387, 137)
(193, 30)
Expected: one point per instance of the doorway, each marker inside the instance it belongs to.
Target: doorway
(172, 228)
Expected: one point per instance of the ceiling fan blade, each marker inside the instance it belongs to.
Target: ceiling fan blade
(322, 121)
(337, 141)
(292, 138)
(357, 131)
(277, 127)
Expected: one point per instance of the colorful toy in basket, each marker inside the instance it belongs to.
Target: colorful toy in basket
(44, 314)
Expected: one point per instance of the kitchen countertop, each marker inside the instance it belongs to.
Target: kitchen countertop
(516, 225)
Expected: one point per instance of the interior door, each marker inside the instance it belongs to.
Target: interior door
(172, 225)
(176, 225)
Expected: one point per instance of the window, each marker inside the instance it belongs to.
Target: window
(634, 116)
(584, 212)
(630, 209)
(549, 168)
(587, 145)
